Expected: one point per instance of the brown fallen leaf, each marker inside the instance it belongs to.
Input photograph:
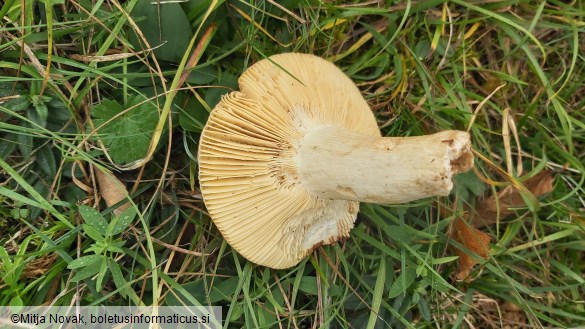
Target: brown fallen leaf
(39, 266)
(513, 316)
(466, 231)
(486, 211)
(473, 240)
(112, 190)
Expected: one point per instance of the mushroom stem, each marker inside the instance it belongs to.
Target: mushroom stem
(336, 164)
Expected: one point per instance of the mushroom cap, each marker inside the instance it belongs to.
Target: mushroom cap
(247, 157)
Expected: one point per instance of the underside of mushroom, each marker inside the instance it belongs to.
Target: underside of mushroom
(285, 161)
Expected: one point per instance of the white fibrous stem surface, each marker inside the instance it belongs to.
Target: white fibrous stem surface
(341, 165)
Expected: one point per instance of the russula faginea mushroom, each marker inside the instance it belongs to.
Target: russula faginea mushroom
(285, 161)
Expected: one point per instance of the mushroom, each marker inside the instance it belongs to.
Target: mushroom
(285, 161)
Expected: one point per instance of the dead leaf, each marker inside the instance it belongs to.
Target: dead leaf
(466, 231)
(473, 240)
(39, 266)
(513, 316)
(112, 190)
(486, 211)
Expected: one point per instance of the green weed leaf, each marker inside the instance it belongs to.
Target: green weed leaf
(25, 145)
(40, 113)
(93, 218)
(16, 104)
(7, 145)
(118, 278)
(468, 185)
(84, 261)
(101, 274)
(225, 290)
(309, 285)
(106, 109)
(193, 116)
(120, 223)
(6, 263)
(89, 270)
(16, 301)
(202, 76)
(115, 246)
(127, 137)
(92, 232)
(46, 161)
(403, 282)
(166, 28)
(99, 247)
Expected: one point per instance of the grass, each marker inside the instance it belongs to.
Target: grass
(509, 72)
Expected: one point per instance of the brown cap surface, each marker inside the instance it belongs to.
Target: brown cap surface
(248, 172)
